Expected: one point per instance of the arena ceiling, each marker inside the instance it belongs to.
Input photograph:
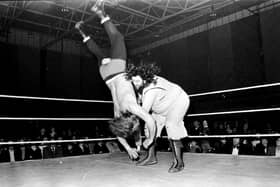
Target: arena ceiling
(141, 21)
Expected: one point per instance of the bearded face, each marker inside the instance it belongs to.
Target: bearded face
(138, 83)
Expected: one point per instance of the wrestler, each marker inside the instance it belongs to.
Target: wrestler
(168, 103)
(112, 70)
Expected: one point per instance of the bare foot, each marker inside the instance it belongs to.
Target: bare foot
(98, 8)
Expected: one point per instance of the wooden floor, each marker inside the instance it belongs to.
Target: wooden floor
(117, 170)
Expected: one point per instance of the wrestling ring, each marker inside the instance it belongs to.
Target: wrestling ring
(116, 169)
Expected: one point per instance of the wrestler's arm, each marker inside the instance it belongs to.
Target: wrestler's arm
(132, 152)
(138, 134)
(138, 140)
(147, 102)
(148, 99)
(149, 121)
(117, 111)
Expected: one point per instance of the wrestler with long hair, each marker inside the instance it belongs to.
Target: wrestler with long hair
(112, 69)
(168, 104)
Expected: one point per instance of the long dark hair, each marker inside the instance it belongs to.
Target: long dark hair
(147, 71)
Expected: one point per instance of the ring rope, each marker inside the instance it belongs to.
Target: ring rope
(54, 99)
(103, 101)
(235, 89)
(234, 112)
(56, 141)
(237, 136)
(109, 139)
(57, 119)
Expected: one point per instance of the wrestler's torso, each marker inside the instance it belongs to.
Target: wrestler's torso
(122, 92)
(166, 94)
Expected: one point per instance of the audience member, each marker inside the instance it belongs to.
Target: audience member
(277, 149)
(33, 152)
(196, 128)
(194, 148)
(222, 146)
(113, 146)
(82, 149)
(100, 147)
(245, 147)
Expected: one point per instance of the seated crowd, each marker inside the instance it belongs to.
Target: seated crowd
(245, 146)
(10, 153)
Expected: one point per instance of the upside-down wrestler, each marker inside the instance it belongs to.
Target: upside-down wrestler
(112, 71)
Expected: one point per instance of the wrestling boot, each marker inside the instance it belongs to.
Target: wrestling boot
(150, 157)
(178, 163)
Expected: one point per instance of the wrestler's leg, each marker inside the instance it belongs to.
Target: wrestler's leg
(92, 46)
(176, 131)
(175, 117)
(95, 49)
(178, 163)
(118, 49)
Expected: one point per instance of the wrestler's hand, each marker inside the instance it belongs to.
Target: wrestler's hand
(133, 154)
(147, 142)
